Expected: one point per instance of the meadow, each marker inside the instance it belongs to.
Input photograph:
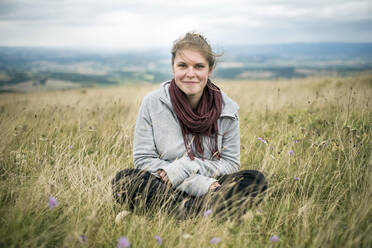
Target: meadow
(310, 137)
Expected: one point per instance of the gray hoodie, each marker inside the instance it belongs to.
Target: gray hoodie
(158, 144)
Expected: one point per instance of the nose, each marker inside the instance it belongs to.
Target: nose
(190, 72)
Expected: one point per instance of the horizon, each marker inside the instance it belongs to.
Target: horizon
(142, 49)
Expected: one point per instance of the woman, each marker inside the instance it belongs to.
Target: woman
(186, 143)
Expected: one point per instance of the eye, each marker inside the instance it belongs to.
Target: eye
(199, 66)
(182, 65)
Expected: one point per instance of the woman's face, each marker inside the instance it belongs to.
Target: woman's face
(191, 72)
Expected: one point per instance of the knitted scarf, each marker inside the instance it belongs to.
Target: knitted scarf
(200, 122)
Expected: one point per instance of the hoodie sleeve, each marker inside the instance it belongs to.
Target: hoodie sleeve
(145, 154)
(196, 185)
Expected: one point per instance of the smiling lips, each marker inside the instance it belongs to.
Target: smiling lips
(189, 82)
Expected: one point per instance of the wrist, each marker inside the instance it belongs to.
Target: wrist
(214, 186)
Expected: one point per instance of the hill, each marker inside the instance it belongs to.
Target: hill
(26, 68)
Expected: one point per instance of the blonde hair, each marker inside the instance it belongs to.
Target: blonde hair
(194, 40)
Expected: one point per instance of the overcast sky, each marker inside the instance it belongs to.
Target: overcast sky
(124, 24)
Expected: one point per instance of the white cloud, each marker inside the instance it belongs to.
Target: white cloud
(145, 23)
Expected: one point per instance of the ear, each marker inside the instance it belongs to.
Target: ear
(210, 72)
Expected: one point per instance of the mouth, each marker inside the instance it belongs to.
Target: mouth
(189, 82)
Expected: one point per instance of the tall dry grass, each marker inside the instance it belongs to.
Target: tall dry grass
(69, 144)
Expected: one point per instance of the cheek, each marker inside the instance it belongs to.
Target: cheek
(203, 75)
(178, 73)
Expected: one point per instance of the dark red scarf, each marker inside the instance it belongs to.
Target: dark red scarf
(202, 121)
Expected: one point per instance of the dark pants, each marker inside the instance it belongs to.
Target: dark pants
(142, 191)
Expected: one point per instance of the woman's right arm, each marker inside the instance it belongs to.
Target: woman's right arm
(145, 154)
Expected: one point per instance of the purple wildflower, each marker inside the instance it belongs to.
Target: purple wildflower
(296, 141)
(158, 239)
(52, 202)
(296, 178)
(215, 240)
(274, 238)
(123, 242)
(83, 238)
(291, 152)
(324, 145)
(208, 212)
(118, 194)
(262, 140)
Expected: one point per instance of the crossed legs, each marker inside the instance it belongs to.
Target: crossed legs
(142, 191)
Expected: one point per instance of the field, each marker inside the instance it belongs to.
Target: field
(310, 137)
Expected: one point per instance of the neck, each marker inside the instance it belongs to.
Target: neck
(194, 101)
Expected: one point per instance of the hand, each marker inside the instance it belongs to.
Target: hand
(163, 175)
(214, 186)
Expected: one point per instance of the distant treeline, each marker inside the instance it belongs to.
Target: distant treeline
(283, 72)
(19, 76)
(286, 71)
(22, 76)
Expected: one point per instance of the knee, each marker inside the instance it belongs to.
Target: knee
(129, 180)
(253, 174)
(261, 181)
(121, 182)
(263, 184)
(260, 178)
(124, 174)
(255, 180)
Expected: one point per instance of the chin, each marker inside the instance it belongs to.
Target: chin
(191, 92)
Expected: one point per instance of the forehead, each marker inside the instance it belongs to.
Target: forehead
(190, 56)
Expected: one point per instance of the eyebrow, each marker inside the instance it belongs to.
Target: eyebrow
(183, 62)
